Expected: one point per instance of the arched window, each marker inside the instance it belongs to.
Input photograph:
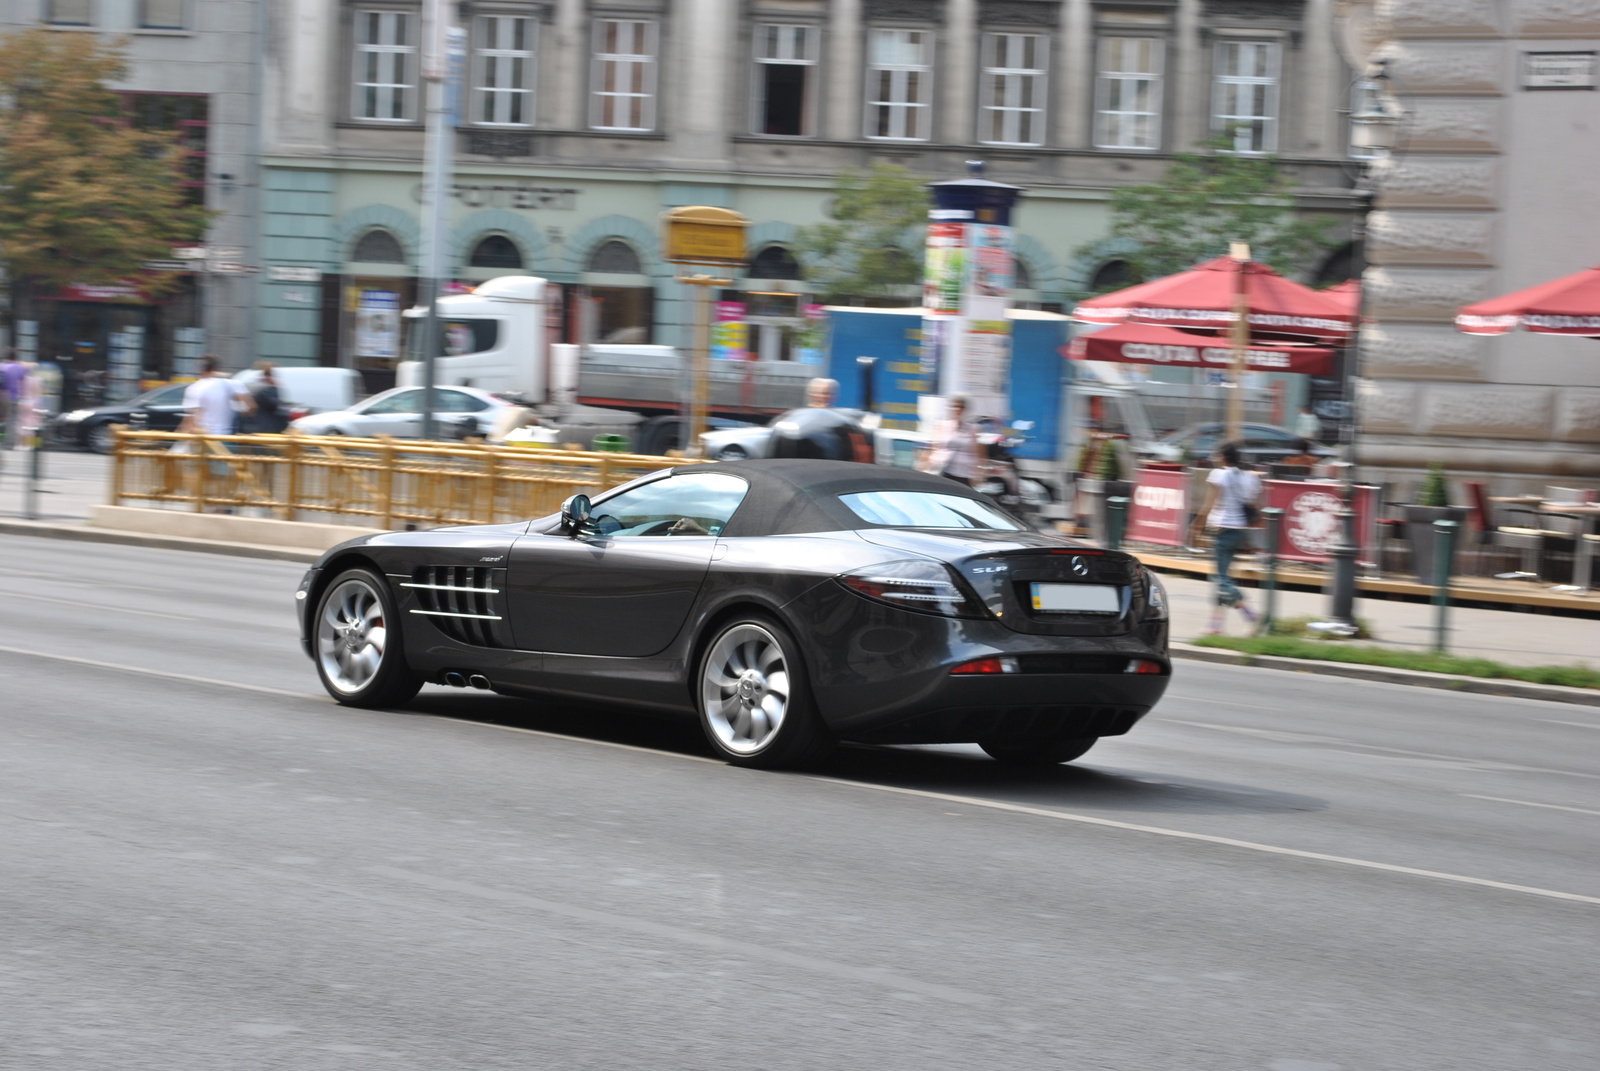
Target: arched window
(615, 258)
(774, 262)
(1024, 275)
(496, 251)
(1113, 275)
(378, 247)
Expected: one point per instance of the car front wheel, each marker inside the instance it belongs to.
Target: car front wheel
(358, 650)
(1037, 752)
(102, 438)
(754, 697)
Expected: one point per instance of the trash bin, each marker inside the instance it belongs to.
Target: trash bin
(612, 444)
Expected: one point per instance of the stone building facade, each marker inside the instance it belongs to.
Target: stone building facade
(1493, 189)
(193, 68)
(584, 119)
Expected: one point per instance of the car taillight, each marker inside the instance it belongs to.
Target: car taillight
(924, 586)
(296, 412)
(1142, 665)
(986, 665)
(1155, 596)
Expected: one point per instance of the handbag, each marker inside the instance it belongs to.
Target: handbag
(1252, 512)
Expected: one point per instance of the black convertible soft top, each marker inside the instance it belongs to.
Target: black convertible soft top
(789, 496)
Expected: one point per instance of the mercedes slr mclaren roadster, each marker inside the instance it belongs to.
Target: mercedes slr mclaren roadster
(786, 604)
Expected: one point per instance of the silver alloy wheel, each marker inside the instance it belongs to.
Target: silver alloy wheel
(101, 438)
(744, 688)
(351, 636)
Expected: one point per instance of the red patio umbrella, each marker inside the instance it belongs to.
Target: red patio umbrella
(1566, 306)
(1348, 292)
(1149, 344)
(1203, 298)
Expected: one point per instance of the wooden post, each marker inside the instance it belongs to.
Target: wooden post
(1240, 251)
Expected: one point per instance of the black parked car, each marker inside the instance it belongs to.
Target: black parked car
(160, 409)
(786, 603)
(1261, 444)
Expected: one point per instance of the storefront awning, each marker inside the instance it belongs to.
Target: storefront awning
(1149, 344)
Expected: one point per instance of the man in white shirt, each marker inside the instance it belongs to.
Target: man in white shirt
(1306, 424)
(214, 402)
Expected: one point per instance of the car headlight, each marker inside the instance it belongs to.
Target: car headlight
(1155, 597)
(76, 415)
(927, 587)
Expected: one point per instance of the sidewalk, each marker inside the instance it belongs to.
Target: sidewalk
(1508, 636)
(72, 482)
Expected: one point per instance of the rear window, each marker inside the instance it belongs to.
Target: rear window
(926, 509)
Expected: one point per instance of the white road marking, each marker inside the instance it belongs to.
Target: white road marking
(164, 674)
(98, 606)
(1270, 849)
(1283, 736)
(713, 942)
(1530, 803)
(1578, 724)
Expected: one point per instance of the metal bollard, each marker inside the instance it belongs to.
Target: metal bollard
(1272, 518)
(30, 508)
(1444, 545)
(1116, 521)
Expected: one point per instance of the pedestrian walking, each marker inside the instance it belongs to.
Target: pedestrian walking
(214, 402)
(269, 417)
(955, 452)
(1230, 511)
(12, 373)
(1306, 424)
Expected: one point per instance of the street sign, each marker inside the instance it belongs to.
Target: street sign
(169, 265)
(189, 252)
(705, 235)
(225, 252)
(228, 267)
(294, 273)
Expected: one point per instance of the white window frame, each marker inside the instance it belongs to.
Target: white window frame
(1114, 126)
(51, 20)
(1227, 87)
(1013, 77)
(809, 40)
(494, 69)
(378, 59)
(899, 108)
(146, 24)
(643, 35)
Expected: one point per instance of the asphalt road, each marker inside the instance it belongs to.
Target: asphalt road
(206, 864)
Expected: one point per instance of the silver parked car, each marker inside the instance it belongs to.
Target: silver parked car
(458, 412)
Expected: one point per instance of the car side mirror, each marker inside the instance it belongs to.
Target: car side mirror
(574, 514)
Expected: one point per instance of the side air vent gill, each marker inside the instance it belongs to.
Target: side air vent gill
(462, 600)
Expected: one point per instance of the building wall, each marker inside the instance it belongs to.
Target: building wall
(580, 186)
(1492, 190)
(215, 53)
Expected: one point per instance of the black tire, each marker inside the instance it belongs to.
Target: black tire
(99, 437)
(1037, 752)
(343, 650)
(736, 682)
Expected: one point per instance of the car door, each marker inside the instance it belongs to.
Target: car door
(163, 411)
(457, 408)
(625, 585)
(398, 414)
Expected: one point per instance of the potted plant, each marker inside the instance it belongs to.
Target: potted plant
(1432, 503)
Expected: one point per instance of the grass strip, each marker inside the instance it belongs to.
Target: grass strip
(1326, 651)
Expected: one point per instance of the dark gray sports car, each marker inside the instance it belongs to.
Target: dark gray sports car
(785, 603)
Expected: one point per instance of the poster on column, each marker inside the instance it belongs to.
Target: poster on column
(378, 324)
(730, 338)
(986, 365)
(990, 261)
(944, 268)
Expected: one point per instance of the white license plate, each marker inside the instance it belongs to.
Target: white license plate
(1077, 598)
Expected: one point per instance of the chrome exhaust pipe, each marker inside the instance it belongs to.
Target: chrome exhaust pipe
(478, 680)
(455, 680)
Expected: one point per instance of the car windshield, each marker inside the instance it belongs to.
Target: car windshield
(172, 394)
(926, 509)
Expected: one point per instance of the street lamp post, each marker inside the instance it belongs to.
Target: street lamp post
(1374, 130)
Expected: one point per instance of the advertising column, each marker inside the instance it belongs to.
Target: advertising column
(969, 274)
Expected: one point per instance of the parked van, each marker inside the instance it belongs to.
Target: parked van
(310, 390)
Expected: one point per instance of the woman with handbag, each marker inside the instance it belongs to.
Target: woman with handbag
(1230, 511)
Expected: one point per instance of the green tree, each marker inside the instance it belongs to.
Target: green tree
(1208, 199)
(86, 197)
(860, 252)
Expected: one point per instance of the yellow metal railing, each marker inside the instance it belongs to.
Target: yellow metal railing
(385, 481)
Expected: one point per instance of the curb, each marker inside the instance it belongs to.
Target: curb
(1555, 693)
(85, 534)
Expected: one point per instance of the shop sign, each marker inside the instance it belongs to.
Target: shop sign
(167, 265)
(228, 267)
(1558, 70)
(101, 292)
(1311, 521)
(1160, 508)
(294, 273)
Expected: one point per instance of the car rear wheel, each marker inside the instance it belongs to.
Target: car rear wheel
(1037, 752)
(754, 698)
(358, 650)
(733, 452)
(102, 438)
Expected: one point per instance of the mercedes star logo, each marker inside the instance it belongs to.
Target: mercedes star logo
(1080, 567)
